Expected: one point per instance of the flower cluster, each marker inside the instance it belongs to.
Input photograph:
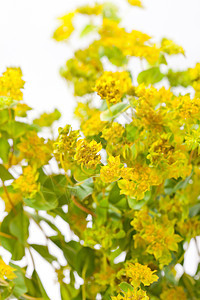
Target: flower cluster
(87, 153)
(27, 182)
(112, 86)
(6, 271)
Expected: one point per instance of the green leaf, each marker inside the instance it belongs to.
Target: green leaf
(42, 290)
(85, 261)
(43, 200)
(194, 210)
(5, 174)
(20, 287)
(69, 249)
(134, 204)
(15, 129)
(114, 195)
(4, 149)
(114, 111)
(84, 190)
(124, 286)
(114, 54)
(19, 225)
(150, 76)
(88, 29)
(47, 119)
(172, 185)
(44, 252)
(131, 132)
(4, 116)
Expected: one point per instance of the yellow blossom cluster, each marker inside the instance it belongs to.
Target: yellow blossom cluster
(132, 43)
(27, 182)
(104, 235)
(34, 149)
(114, 133)
(169, 47)
(66, 142)
(84, 69)
(66, 28)
(135, 2)
(171, 161)
(91, 10)
(135, 181)
(112, 171)
(189, 228)
(136, 295)
(15, 198)
(87, 153)
(138, 274)
(93, 126)
(112, 86)
(11, 83)
(154, 237)
(173, 294)
(6, 271)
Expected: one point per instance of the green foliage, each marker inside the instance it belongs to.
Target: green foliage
(129, 178)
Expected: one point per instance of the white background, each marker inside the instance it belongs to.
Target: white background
(26, 27)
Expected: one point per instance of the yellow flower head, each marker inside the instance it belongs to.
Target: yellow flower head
(93, 126)
(194, 73)
(136, 295)
(34, 149)
(112, 171)
(138, 274)
(27, 182)
(174, 294)
(169, 47)
(6, 272)
(97, 9)
(66, 142)
(15, 197)
(135, 2)
(87, 153)
(112, 86)
(66, 28)
(113, 133)
(11, 83)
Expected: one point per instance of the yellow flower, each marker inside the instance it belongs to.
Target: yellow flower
(158, 237)
(132, 189)
(66, 142)
(112, 171)
(135, 2)
(136, 295)
(34, 149)
(64, 31)
(15, 198)
(6, 272)
(194, 72)
(136, 181)
(47, 119)
(97, 9)
(112, 86)
(138, 274)
(27, 182)
(169, 47)
(21, 109)
(173, 294)
(189, 228)
(113, 133)
(11, 83)
(87, 153)
(94, 125)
